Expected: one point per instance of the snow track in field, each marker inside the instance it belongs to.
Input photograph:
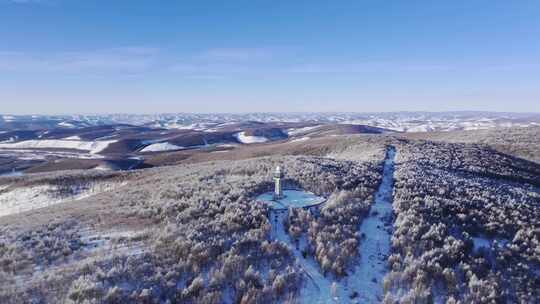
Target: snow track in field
(376, 231)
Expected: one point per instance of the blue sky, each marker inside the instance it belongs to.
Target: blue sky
(67, 56)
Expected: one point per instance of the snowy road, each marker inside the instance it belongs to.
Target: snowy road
(376, 231)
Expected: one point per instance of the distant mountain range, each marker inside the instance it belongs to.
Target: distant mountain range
(396, 121)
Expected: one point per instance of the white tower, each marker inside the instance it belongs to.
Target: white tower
(278, 190)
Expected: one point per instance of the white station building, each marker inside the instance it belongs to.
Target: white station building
(278, 190)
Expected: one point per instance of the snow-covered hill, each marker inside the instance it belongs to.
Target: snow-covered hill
(94, 147)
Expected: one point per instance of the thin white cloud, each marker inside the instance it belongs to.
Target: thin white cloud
(362, 67)
(121, 60)
(239, 54)
(325, 68)
(25, 1)
(354, 68)
(208, 64)
(220, 63)
(215, 64)
(215, 68)
(204, 77)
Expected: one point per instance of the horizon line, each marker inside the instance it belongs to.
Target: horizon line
(282, 112)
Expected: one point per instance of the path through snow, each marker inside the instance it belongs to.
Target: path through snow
(376, 231)
(364, 283)
(318, 287)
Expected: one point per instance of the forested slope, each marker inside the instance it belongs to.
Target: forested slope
(467, 226)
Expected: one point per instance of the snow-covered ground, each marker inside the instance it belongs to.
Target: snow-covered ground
(228, 145)
(75, 137)
(23, 199)
(108, 241)
(481, 242)
(29, 154)
(487, 243)
(317, 288)
(291, 198)
(66, 124)
(375, 230)
(91, 246)
(94, 147)
(202, 126)
(158, 147)
(297, 131)
(300, 139)
(247, 139)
